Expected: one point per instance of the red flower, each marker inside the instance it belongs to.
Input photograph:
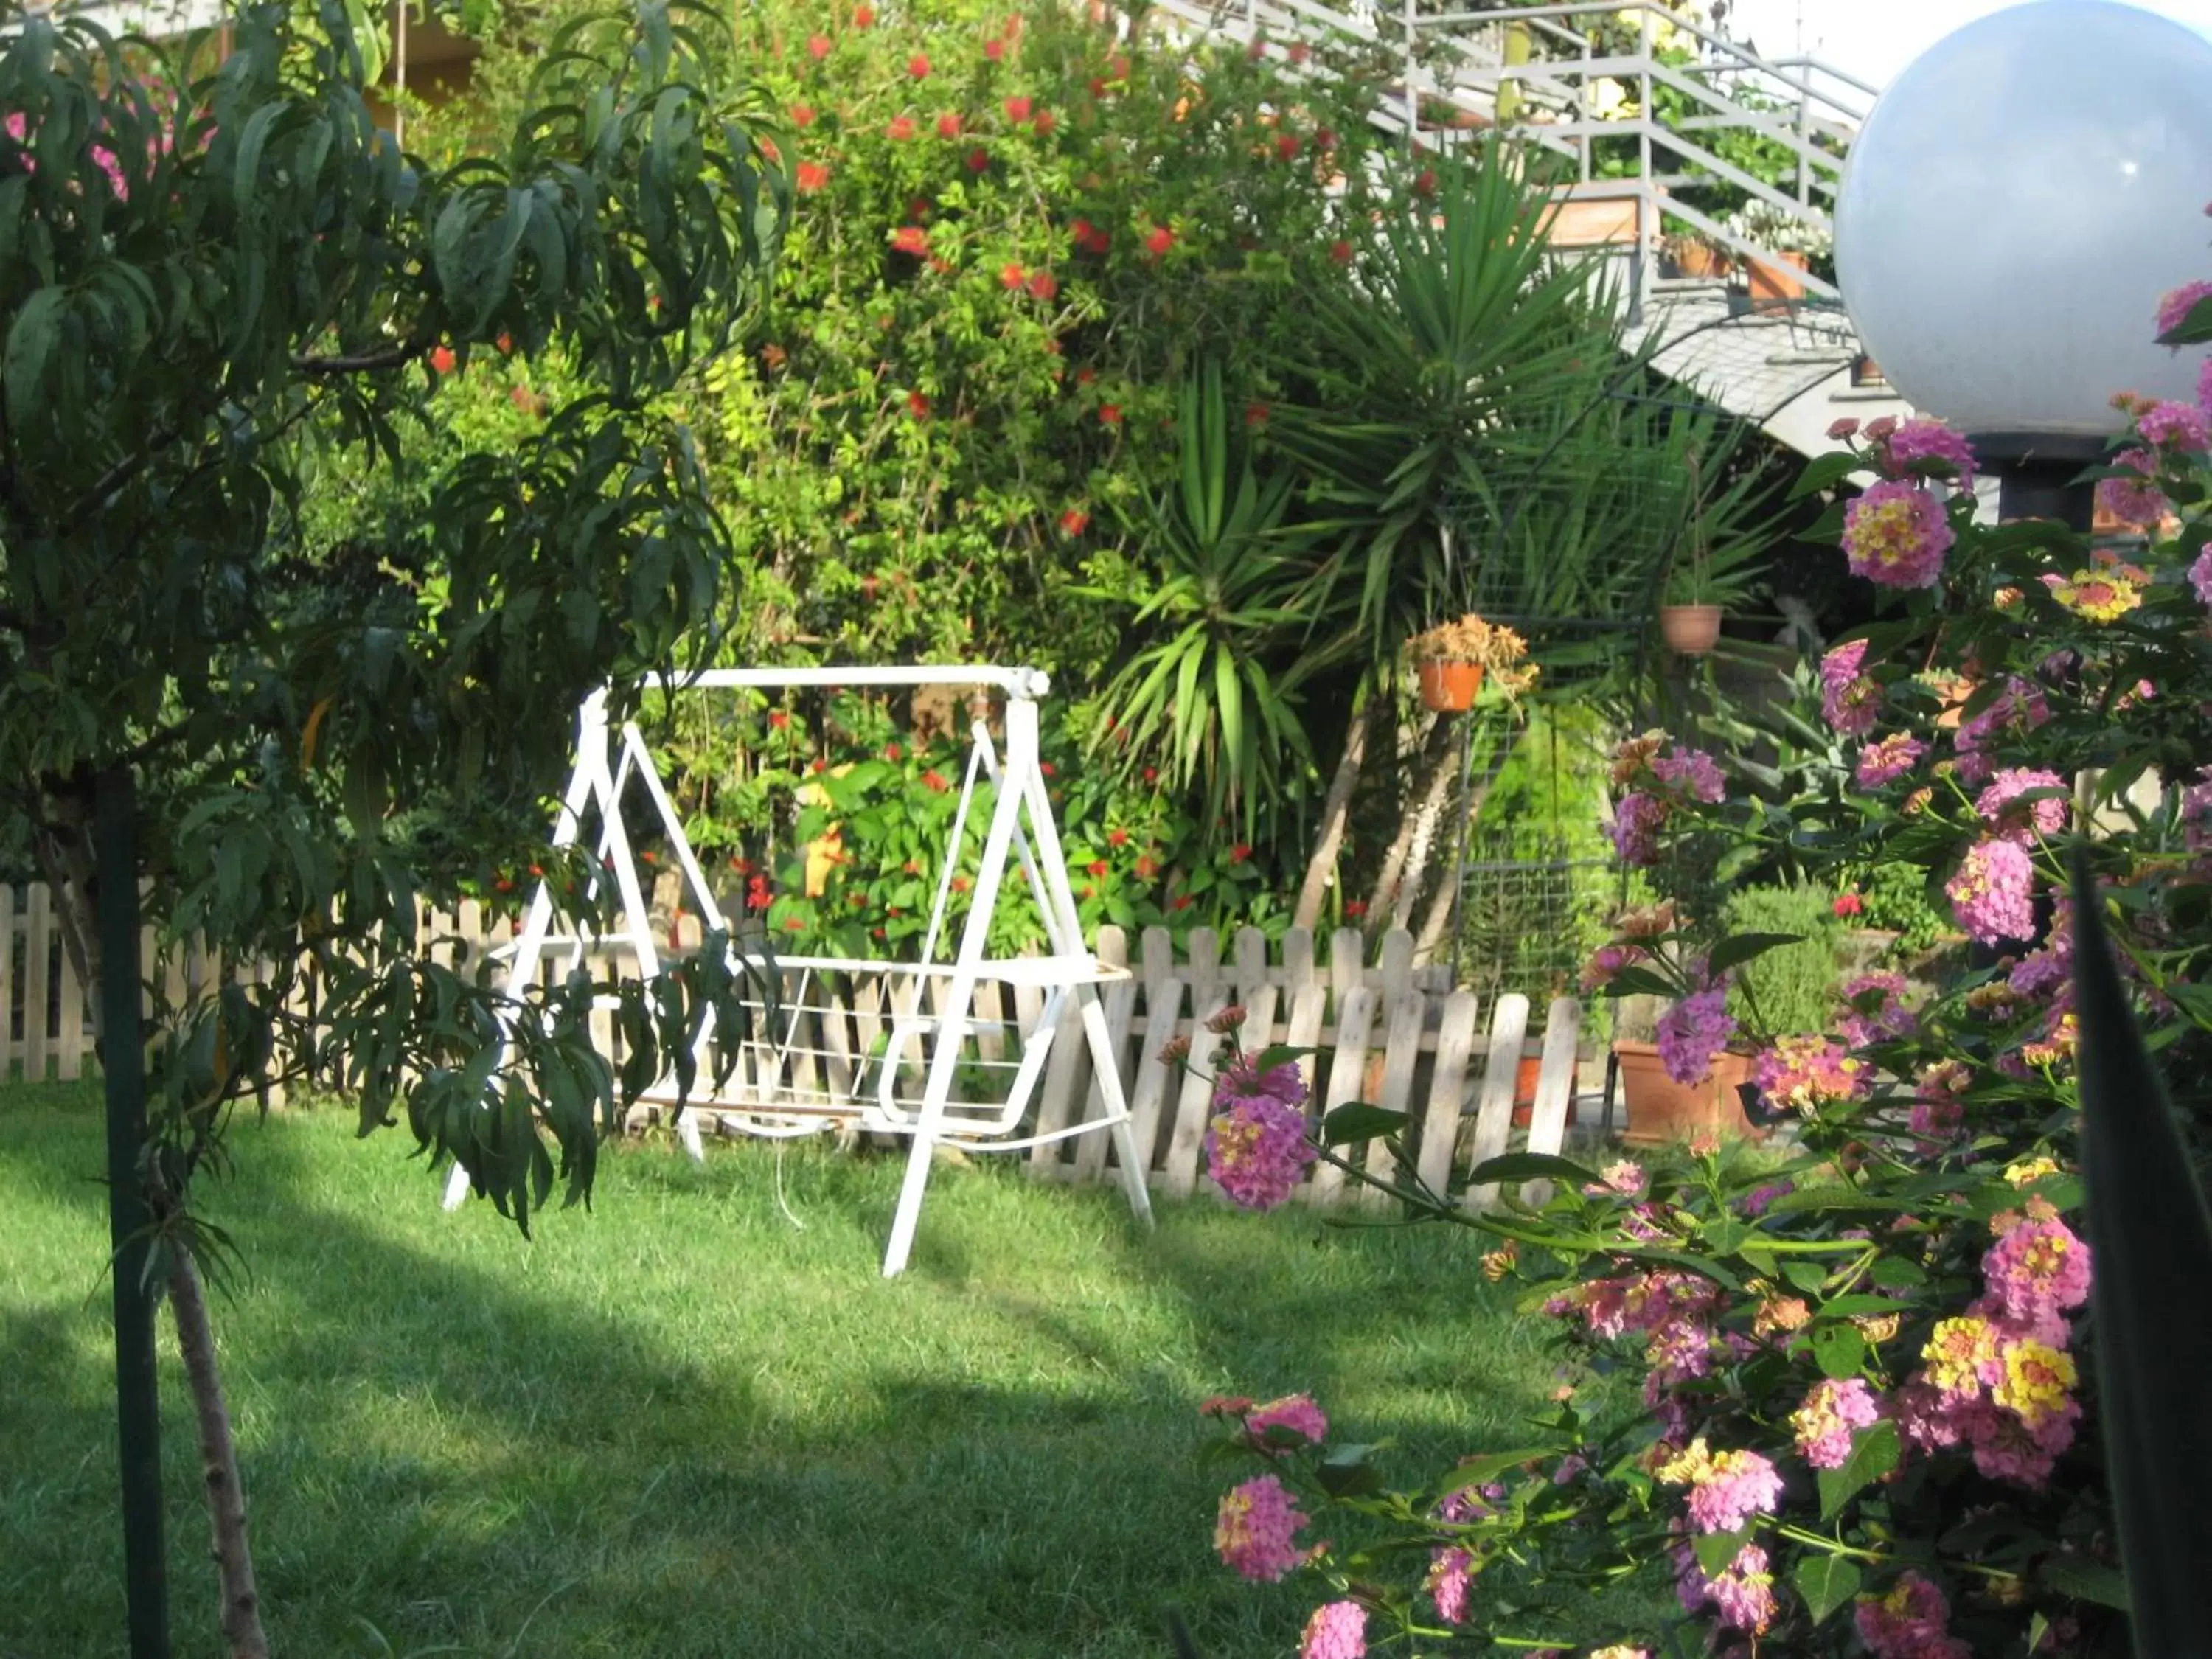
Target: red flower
(1152, 775)
(948, 125)
(504, 343)
(1355, 908)
(758, 896)
(917, 405)
(1046, 121)
(817, 47)
(1324, 138)
(1089, 891)
(1043, 285)
(813, 175)
(1850, 904)
(1079, 231)
(1161, 240)
(1048, 768)
(504, 884)
(978, 159)
(768, 149)
(1100, 241)
(1286, 146)
(1075, 521)
(1117, 837)
(901, 129)
(794, 924)
(1097, 867)
(1256, 414)
(1110, 414)
(1018, 109)
(523, 398)
(441, 359)
(819, 766)
(994, 49)
(863, 15)
(892, 751)
(918, 66)
(917, 209)
(942, 267)
(933, 780)
(961, 884)
(778, 718)
(911, 239)
(1147, 866)
(1299, 52)
(1085, 376)
(1180, 901)
(879, 934)
(1012, 275)
(1097, 85)
(1340, 251)
(1424, 182)
(1239, 852)
(802, 116)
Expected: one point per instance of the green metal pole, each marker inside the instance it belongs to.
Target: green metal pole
(122, 1063)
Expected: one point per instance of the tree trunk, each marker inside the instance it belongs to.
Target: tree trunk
(1439, 916)
(1432, 751)
(1335, 812)
(226, 1497)
(1426, 819)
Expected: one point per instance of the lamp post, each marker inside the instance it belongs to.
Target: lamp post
(2018, 201)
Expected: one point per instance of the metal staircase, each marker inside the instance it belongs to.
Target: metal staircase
(1629, 100)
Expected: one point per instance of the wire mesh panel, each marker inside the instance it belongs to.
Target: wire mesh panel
(1528, 910)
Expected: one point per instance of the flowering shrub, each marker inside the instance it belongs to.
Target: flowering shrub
(1866, 1413)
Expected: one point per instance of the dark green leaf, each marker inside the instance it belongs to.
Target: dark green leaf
(1349, 1472)
(1826, 1582)
(1875, 1453)
(1745, 947)
(1530, 1166)
(1359, 1121)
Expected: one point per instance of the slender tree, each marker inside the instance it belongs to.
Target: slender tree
(215, 270)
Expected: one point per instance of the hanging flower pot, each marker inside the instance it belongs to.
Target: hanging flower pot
(1692, 629)
(1450, 687)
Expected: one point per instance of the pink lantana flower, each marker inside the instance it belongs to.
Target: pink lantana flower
(1887, 760)
(2176, 303)
(2130, 495)
(1256, 1527)
(1692, 1032)
(1924, 439)
(1895, 535)
(1256, 1150)
(1911, 1622)
(1338, 1629)
(2173, 425)
(1294, 1412)
(1850, 701)
(1635, 828)
(1823, 1425)
(1993, 892)
(2011, 819)
(1726, 1488)
(1805, 1072)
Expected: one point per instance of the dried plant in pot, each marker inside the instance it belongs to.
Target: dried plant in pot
(1452, 659)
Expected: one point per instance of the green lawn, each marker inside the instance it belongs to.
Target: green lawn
(679, 1425)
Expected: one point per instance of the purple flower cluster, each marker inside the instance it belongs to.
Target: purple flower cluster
(1851, 701)
(1256, 1150)
(2130, 495)
(1692, 1032)
(1895, 535)
(1875, 1010)
(1338, 1629)
(2171, 425)
(2016, 710)
(1825, 1423)
(1923, 439)
(1911, 1622)
(1742, 1594)
(1635, 828)
(2011, 819)
(1887, 759)
(1691, 774)
(2200, 572)
(2176, 303)
(1993, 892)
(1255, 1529)
(1726, 1488)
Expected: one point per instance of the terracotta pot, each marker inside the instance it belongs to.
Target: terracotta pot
(1450, 687)
(1696, 258)
(1524, 1091)
(1661, 1110)
(1692, 629)
(1774, 281)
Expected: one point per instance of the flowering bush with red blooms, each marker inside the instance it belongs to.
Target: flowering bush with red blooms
(1865, 1417)
(1028, 226)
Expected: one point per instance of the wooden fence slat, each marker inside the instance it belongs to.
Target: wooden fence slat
(1309, 1006)
(1347, 1073)
(1121, 1010)
(1446, 1091)
(1160, 956)
(1193, 1105)
(1251, 966)
(1203, 959)
(1067, 1071)
(1297, 961)
(1555, 1086)
(1347, 957)
(1395, 966)
(68, 1036)
(1163, 1004)
(38, 943)
(7, 934)
(1401, 1053)
(1493, 1118)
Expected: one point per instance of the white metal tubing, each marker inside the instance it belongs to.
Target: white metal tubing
(1025, 683)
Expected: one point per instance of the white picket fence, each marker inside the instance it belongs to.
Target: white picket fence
(1379, 1031)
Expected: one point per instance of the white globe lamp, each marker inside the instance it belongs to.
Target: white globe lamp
(2017, 202)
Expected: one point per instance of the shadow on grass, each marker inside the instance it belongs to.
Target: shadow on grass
(678, 1427)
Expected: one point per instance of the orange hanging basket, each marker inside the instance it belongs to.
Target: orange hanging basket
(1450, 687)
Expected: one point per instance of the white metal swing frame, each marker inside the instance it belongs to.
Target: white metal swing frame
(936, 1018)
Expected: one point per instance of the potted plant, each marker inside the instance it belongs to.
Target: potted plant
(1701, 587)
(1688, 254)
(1451, 659)
(1793, 243)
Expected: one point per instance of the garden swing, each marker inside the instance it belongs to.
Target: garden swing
(920, 1049)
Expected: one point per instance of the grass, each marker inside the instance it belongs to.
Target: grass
(680, 1426)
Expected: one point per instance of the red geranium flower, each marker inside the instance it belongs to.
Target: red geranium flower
(817, 47)
(978, 160)
(1161, 240)
(948, 125)
(933, 780)
(1286, 146)
(1424, 182)
(1257, 50)
(1048, 768)
(802, 115)
(441, 359)
(1110, 414)
(918, 406)
(1046, 120)
(1096, 868)
(778, 718)
(994, 49)
(1043, 285)
(1079, 231)
(1100, 241)
(1097, 87)
(1117, 837)
(813, 175)
(1340, 251)
(863, 15)
(918, 66)
(892, 751)
(1256, 414)
(961, 884)
(1018, 109)
(911, 239)
(1180, 901)
(901, 129)
(1324, 138)
(1085, 376)
(1239, 852)
(1147, 866)
(1850, 904)
(1299, 52)
(1152, 775)
(1075, 521)
(1355, 908)
(1012, 275)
